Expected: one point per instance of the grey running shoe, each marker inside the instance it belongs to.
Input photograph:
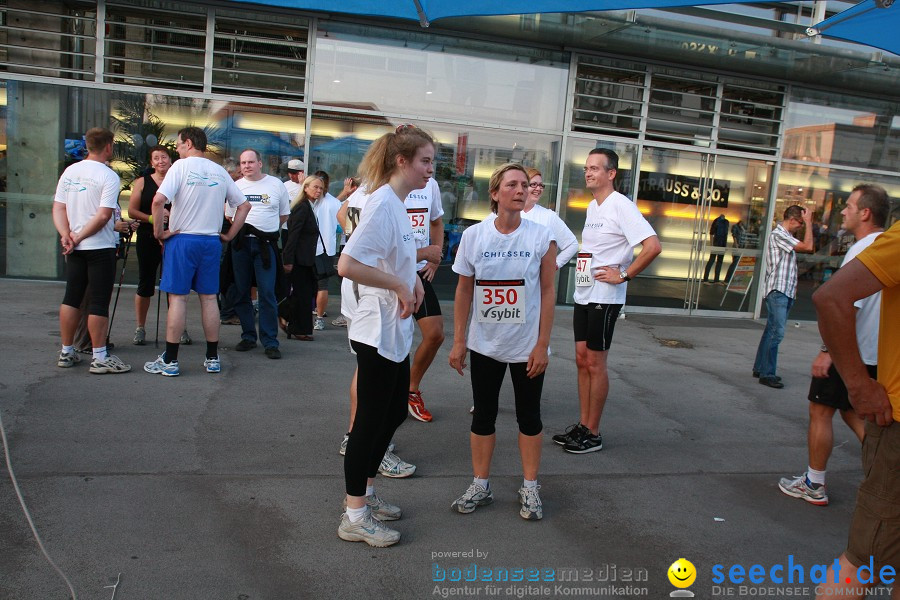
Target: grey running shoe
(369, 530)
(340, 322)
(319, 324)
(161, 367)
(68, 359)
(110, 364)
(393, 466)
(185, 339)
(474, 497)
(381, 510)
(531, 503)
(140, 335)
(798, 488)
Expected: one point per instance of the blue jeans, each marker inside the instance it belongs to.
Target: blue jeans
(248, 260)
(778, 305)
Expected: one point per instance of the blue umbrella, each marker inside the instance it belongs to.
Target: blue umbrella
(871, 22)
(425, 11)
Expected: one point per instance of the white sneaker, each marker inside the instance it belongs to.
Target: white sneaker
(393, 466)
(369, 530)
(532, 509)
(473, 497)
(110, 364)
(340, 322)
(67, 359)
(343, 449)
(319, 324)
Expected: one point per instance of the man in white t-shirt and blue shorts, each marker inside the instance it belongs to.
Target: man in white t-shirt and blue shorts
(87, 197)
(197, 189)
(613, 228)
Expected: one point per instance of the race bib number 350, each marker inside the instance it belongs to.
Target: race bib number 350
(500, 301)
(418, 219)
(583, 270)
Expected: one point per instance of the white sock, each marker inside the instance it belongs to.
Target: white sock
(370, 490)
(815, 476)
(68, 349)
(356, 514)
(485, 483)
(529, 483)
(100, 353)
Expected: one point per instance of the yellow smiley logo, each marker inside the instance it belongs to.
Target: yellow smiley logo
(682, 573)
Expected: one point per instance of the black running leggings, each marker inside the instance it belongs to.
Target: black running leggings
(382, 394)
(91, 272)
(487, 377)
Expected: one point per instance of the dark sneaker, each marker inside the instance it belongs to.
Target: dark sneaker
(772, 382)
(587, 443)
(232, 320)
(572, 434)
(273, 352)
(244, 345)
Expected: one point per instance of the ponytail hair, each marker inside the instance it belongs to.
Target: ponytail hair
(380, 161)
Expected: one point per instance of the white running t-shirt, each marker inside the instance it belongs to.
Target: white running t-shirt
(268, 200)
(506, 308)
(611, 231)
(382, 240)
(423, 207)
(198, 189)
(869, 313)
(84, 188)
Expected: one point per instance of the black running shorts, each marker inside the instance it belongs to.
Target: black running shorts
(594, 323)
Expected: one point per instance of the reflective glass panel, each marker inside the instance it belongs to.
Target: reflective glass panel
(420, 74)
(839, 129)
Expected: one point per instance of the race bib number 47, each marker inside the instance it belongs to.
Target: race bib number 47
(583, 270)
(418, 218)
(500, 301)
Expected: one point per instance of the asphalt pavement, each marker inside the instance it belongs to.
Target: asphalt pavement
(229, 486)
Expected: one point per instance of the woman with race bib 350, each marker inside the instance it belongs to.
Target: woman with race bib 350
(380, 258)
(505, 298)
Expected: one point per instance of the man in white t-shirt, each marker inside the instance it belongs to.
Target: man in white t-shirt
(613, 228)
(865, 215)
(296, 170)
(197, 189)
(87, 197)
(425, 212)
(326, 209)
(254, 253)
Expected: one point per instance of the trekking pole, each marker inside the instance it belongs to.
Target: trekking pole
(119, 290)
(158, 298)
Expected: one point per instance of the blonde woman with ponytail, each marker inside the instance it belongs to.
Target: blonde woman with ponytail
(380, 260)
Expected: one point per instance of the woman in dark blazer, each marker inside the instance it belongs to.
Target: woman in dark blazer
(300, 257)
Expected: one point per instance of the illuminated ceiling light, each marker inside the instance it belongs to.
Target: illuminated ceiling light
(336, 81)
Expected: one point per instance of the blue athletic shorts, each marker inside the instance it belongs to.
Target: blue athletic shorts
(191, 262)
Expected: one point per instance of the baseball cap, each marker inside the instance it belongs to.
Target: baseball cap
(296, 165)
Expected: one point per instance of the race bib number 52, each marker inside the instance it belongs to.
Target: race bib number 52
(500, 301)
(583, 270)
(418, 218)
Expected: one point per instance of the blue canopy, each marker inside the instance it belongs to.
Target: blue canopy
(425, 11)
(871, 22)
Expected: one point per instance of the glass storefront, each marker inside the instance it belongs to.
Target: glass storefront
(694, 146)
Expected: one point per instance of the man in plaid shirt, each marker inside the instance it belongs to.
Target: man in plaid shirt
(781, 288)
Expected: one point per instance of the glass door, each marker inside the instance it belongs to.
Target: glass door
(708, 211)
